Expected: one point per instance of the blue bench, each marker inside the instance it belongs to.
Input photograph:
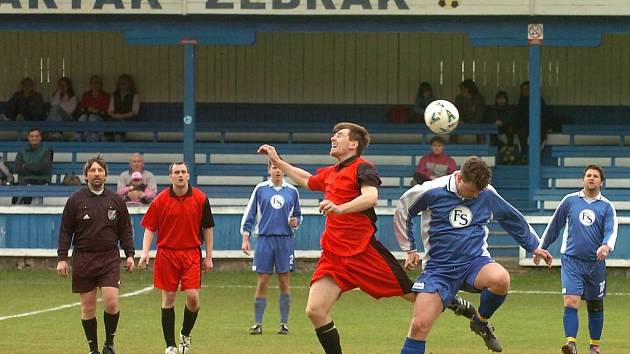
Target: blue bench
(580, 156)
(583, 133)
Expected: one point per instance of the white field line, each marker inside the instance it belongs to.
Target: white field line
(74, 304)
(527, 292)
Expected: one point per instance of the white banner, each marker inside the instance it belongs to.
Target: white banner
(317, 7)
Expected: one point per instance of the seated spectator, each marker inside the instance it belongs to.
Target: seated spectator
(434, 164)
(94, 105)
(25, 104)
(423, 98)
(501, 114)
(33, 165)
(63, 104)
(6, 177)
(470, 105)
(521, 122)
(124, 104)
(131, 191)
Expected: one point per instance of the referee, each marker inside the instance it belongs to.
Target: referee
(182, 218)
(94, 221)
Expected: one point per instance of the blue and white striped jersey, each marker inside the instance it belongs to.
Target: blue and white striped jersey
(453, 229)
(269, 209)
(588, 224)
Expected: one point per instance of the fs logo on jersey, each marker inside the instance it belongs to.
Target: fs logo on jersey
(277, 201)
(460, 217)
(587, 217)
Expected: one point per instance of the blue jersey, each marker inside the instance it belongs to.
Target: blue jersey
(454, 230)
(588, 224)
(269, 209)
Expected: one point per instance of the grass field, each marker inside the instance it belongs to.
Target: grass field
(527, 323)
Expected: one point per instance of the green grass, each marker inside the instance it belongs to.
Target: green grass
(527, 323)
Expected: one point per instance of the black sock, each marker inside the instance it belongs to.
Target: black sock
(168, 326)
(89, 327)
(329, 338)
(111, 323)
(189, 321)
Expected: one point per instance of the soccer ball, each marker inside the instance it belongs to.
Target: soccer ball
(441, 117)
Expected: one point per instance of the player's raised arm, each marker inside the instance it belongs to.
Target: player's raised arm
(298, 175)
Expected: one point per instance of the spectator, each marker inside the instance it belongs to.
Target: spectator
(501, 114)
(469, 102)
(521, 123)
(124, 104)
(125, 180)
(94, 105)
(423, 98)
(6, 177)
(33, 165)
(25, 104)
(63, 104)
(434, 164)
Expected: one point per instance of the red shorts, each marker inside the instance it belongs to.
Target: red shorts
(175, 266)
(375, 271)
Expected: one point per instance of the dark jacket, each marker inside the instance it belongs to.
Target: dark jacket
(95, 223)
(33, 164)
(31, 107)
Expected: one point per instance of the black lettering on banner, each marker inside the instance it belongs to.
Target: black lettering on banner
(215, 4)
(249, 5)
(98, 5)
(34, 4)
(279, 5)
(400, 4)
(76, 4)
(312, 4)
(365, 4)
(14, 3)
(153, 4)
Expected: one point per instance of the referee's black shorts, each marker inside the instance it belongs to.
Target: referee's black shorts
(95, 269)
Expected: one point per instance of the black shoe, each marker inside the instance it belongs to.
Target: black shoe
(486, 331)
(255, 329)
(569, 348)
(462, 307)
(283, 329)
(109, 349)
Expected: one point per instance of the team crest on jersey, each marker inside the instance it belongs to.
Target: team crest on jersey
(277, 201)
(112, 215)
(460, 217)
(587, 217)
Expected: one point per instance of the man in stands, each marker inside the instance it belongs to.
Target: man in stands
(125, 182)
(33, 164)
(25, 104)
(434, 164)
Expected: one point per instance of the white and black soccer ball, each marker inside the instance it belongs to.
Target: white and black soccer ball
(441, 116)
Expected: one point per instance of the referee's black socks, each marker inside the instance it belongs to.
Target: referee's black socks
(111, 323)
(168, 326)
(89, 327)
(189, 321)
(329, 338)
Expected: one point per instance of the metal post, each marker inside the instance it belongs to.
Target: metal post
(189, 109)
(534, 121)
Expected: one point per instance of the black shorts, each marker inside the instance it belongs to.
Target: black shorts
(95, 269)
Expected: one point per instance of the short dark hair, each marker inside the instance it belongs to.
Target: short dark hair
(357, 133)
(595, 167)
(476, 171)
(34, 129)
(170, 168)
(99, 160)
(437, 139)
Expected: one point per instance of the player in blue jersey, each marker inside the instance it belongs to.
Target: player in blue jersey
(273, 212)
(455, 212)
(590, 231)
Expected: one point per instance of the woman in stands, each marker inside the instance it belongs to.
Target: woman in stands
(63, 104)
(124, 104)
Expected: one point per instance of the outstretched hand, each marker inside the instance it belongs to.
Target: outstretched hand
(544, 254)
(270, 151)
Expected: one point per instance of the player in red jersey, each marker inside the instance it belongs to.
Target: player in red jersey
(351, 256)
(183, 219)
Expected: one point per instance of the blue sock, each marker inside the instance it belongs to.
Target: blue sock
(571, 323)
(413, 346)
(284, 301)
(259, 309)
(595, 325)
(489, 303)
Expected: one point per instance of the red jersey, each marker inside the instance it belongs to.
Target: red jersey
(100, 101)
(179, 220)
(346, 234)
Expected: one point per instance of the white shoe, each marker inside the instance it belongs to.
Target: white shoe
(184, 344)
(171, 350)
